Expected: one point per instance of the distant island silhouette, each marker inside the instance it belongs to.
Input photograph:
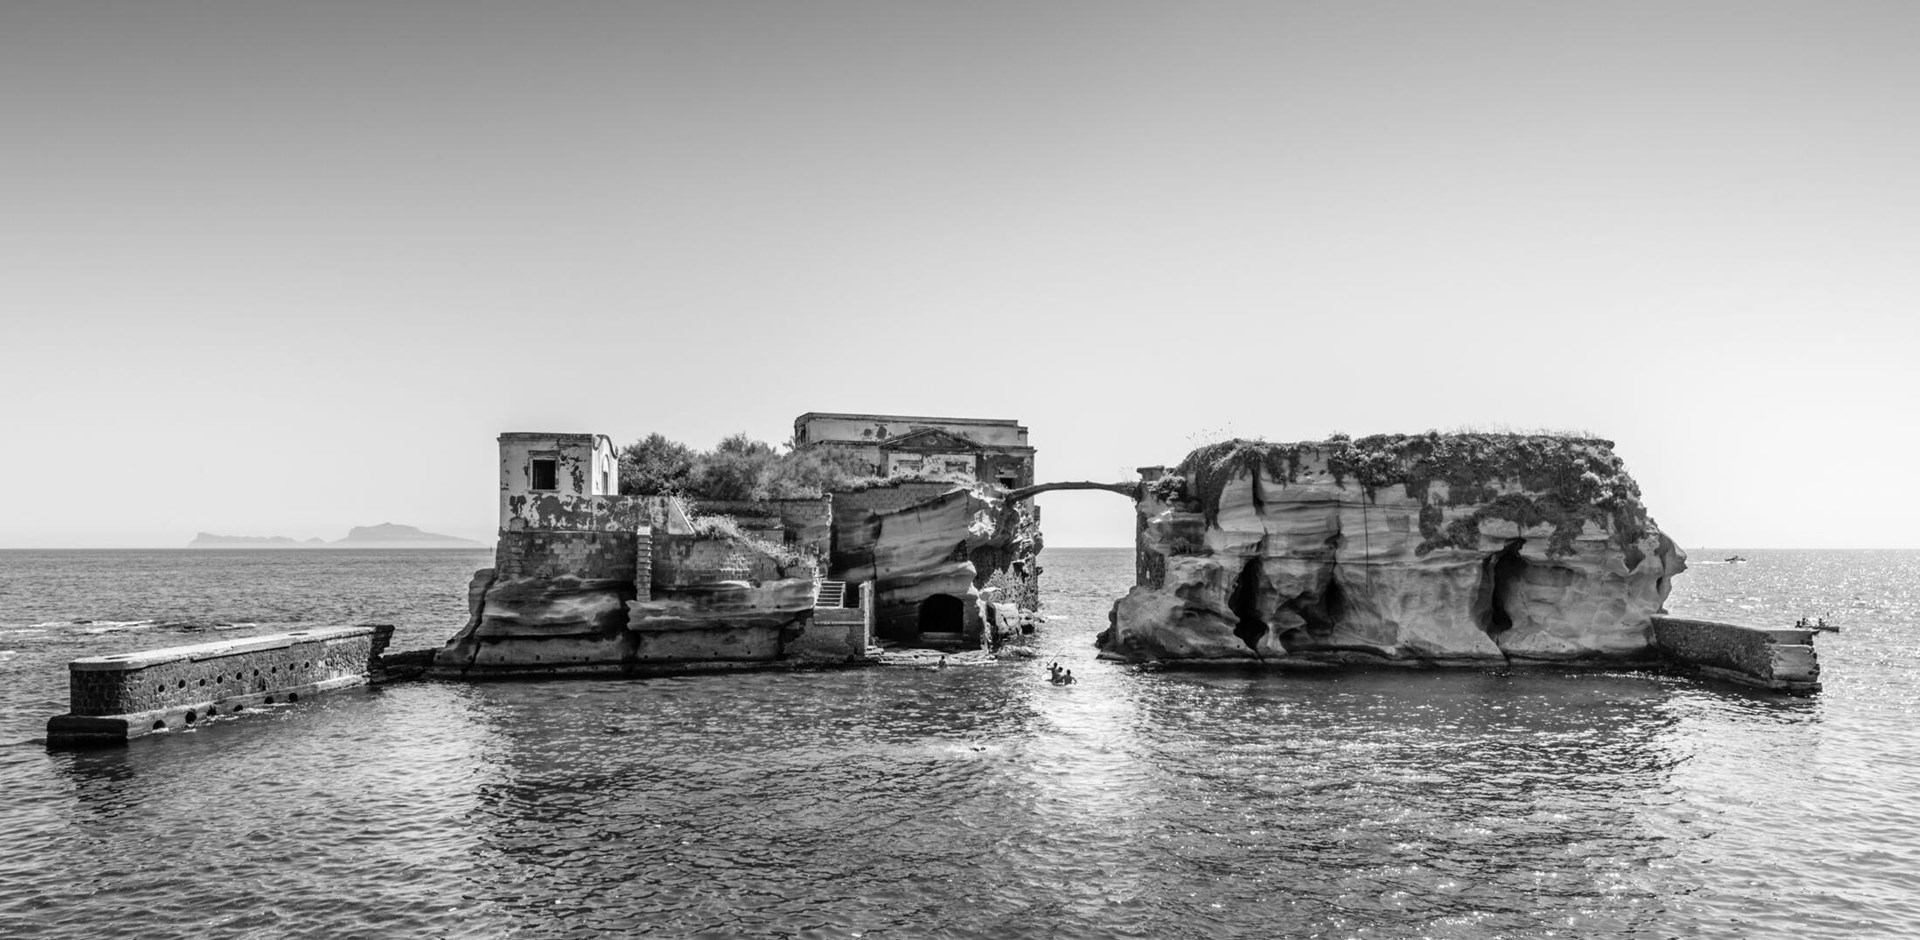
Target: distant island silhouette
(384, 535)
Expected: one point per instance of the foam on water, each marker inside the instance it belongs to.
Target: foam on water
(973, 802)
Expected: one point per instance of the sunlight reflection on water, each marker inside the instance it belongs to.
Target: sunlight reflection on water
(982, 801)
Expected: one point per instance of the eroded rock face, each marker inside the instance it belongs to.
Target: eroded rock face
(597, 601)
(517, 622)
(924, 546)
(726, 620)
(1432, 549)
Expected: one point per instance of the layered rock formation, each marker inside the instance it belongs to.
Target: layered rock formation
(597, 601)
(1426, 549)
(944, 560)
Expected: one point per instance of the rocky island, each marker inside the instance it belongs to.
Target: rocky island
(1430, 549)
(920, 549)
(384, 535)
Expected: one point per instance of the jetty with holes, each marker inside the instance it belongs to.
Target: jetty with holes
(113, 699)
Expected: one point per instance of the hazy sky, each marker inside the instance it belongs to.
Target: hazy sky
(284, 268)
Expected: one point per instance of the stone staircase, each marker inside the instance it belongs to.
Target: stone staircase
(831, 594)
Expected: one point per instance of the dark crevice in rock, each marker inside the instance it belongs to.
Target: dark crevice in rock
(1322, 612)
(1245, 604)
(1501, 574)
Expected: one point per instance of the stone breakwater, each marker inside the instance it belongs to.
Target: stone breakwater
(1424, 550)
(112, 699)
(1779, 658)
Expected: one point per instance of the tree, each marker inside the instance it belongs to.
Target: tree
(656, 466)
(813, 471)
(737, 468)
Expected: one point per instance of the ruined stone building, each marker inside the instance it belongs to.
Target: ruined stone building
(933, 585)
(991, 450)
(588, 579)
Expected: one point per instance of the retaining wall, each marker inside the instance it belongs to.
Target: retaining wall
(589, 556)
(836, 634)
(115, 698)
(805, 523)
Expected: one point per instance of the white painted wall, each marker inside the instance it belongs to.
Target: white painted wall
(576, 454)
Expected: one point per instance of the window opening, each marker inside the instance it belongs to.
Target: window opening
(546, 473)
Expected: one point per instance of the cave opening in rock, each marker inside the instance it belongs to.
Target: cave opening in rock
(1245, 604)
(1504, 572)
(943, 613)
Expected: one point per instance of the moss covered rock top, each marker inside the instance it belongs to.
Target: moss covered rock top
(1529, 479)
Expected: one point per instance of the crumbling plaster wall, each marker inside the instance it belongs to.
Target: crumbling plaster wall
(585, 466)
(570, 513)
(814, 428)
(900, 463)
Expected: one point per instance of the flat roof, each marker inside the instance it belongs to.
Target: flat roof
(856, 415)
(547, 436)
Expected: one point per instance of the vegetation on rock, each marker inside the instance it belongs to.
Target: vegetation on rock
(723, 526)
(1530, 479)
(742, 469)
(738, 468)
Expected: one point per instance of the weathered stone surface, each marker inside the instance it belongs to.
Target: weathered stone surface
(1779, 658)
(1189, 616)
(729, 620)
(1426, 550)
(527, 615)
(563, 606)
(920, 541)
(115, 698)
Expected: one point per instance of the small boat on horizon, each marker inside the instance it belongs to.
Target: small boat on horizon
(1732, 559)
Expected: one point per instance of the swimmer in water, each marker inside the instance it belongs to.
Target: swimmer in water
(1053, 672)
(1068, 679)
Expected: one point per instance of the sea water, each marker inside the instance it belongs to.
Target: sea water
(975, 801)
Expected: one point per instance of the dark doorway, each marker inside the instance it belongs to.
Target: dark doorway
(943, 613)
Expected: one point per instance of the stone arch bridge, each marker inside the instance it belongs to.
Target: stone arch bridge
(1130, 490)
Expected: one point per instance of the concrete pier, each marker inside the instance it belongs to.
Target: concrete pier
(1780, 658)
(114, 699)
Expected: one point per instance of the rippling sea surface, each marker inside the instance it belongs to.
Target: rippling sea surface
(975, 801)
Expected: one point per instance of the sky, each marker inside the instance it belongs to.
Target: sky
(287, 268)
